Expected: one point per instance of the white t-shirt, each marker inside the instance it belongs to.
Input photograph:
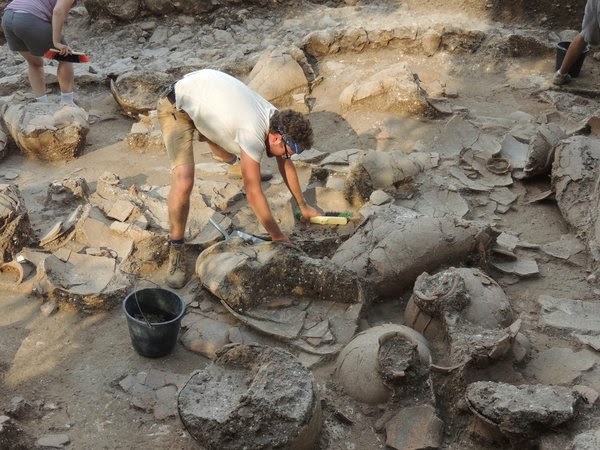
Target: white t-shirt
(226, 111)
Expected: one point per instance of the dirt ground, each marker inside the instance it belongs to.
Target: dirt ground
(71, 364)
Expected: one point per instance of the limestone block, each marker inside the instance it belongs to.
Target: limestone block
(377, 170)
(15, 229)
(252, 396)
(278, 77)
(394, 89)
(3, 143)
(574, 181)
(146, 136)
(525, 410)
(47, 131)
(137, 91)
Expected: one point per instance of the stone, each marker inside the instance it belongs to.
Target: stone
(46, 132)
(524, 410)
(205, 336)
(278, 77)
(252, 396)
(393, 89)
(53, 440)
(570, 315)
(414, 428)
(588, 440)
(561, 365)
(136, 91)
(16, 231)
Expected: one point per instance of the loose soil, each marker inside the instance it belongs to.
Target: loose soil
(71, 364)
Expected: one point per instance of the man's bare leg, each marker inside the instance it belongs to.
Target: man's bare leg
(182, 182)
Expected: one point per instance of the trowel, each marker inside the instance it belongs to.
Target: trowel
(244, 236)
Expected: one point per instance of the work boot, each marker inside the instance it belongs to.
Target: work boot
(560, 79)
(176, 272)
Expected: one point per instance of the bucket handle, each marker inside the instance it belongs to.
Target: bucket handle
(138, 304)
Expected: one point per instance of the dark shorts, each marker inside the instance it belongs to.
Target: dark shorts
(25, 32)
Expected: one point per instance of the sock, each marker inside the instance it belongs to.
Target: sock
(66, 97)
(42, 99)
(176, 241)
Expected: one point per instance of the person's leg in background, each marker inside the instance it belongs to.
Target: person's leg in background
(178, 131)
(37, 76)
(590, 34)
(573, 53)
(66, 77)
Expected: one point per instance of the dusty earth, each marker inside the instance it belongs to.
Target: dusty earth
(69, 365)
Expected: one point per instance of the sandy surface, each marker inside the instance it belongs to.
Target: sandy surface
(74, 362)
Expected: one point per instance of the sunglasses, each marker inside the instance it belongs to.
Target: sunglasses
(288, 143)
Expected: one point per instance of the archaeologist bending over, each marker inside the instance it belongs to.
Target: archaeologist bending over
(590, 34)
(240, 127)
(32, 27)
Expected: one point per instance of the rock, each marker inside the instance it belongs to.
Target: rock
(278, 77)
(253, 396)
(16, 231)
(3, 145)
(376, 170)
(146, 136)
(393, 89)
(426, 429)
(588, 440)
(561, 365)
(574, 178)
(431, 41)
(47, 132)
(526, 410)
(570, 315)
(53, 441)
(136, 92)
(12, 436)
(67, 191)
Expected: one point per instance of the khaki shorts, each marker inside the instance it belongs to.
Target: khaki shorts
(178, 132)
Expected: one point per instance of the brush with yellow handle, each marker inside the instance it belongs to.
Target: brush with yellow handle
(329, 218)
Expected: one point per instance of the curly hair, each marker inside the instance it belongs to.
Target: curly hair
(293, 124)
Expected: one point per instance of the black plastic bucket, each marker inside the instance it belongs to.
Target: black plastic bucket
(561, 51)
(154, 318)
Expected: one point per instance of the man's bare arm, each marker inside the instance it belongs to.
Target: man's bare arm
(257, 199)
